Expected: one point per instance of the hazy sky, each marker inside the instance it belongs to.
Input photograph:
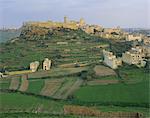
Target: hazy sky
(108, 13)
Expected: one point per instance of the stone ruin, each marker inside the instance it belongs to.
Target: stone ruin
(47, 64)
(34, 66)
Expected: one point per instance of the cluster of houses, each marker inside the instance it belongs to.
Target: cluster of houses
(111, 60)
(135, 56)
(109, 33)
(46, 65)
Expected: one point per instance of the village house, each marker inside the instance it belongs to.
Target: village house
(34, 66)
(46, 64)
(135, 56)
(131, 37)
(146, 40)
(146, 50)
(112, 30)
(111, 60)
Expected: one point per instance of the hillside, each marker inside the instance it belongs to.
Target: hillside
(61, 45)
(77, 81)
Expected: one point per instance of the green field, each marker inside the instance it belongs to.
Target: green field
(4, 84)
(35, 86)
(112, 77)
(133, 74)
(20, 102)
(16, 102)
(36, 115)
(124, 93)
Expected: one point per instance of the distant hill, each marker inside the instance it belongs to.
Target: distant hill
(8, 34)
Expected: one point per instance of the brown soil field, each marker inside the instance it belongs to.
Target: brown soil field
(103, 71)
(24, 84)
(14, 83)
(51, 86)
(86, 111)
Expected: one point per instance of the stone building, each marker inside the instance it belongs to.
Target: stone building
(112, 30)
(88, 29)
(82, 22)
(66, 20)
(146, 50)
(34, 66)
(1, 75)
(46, 64)
(146, 40)
(135, 56)
(131, 37)
(111, 60)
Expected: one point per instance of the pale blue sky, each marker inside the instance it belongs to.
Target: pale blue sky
(108, 13)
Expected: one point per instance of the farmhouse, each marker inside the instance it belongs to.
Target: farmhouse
(46, 64)
(34, 66)
(111, 60)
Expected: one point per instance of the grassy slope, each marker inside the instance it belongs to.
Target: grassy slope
(25, 51)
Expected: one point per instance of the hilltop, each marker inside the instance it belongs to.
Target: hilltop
(56, 41)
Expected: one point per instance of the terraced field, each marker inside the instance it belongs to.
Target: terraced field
(35, 86)
(56, 72)
(121, 93)
(67, 84)
(86, 51)
(16, 102)
(46, 83)
(51, 86)
(15, 82)
(24, 84)
(31, 106)
(4, 84)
